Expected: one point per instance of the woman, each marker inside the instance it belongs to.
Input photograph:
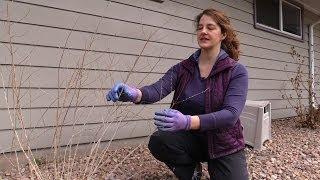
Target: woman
(203, 121)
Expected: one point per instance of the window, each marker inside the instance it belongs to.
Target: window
(279, 16)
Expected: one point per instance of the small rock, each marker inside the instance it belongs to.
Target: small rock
(24, 178)
(263, 175)
(302, 154)
(280, 171)
(314, 155)
(274, 176)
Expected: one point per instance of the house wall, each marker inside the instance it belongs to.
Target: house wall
(121, 40)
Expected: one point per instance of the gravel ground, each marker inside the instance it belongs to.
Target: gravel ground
(293, 153)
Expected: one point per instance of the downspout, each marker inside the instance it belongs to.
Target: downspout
(311, 63)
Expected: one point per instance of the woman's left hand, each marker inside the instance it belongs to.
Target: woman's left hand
(172, 120)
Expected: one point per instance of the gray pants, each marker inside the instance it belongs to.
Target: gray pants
(181, 151)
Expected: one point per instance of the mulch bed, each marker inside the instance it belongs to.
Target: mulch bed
(293, 153)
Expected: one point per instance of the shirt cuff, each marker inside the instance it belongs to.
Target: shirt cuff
(144, 97)
(207, 121)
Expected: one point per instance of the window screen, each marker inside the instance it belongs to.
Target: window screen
(268, 13)
(291, 18)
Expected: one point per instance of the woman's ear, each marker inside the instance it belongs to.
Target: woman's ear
(223, 36)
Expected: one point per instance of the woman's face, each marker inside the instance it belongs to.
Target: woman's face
(209, 33)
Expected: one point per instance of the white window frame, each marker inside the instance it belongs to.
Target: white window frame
(280, 30)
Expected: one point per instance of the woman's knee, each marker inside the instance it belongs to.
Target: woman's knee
(173, 147)
(157, 145)
(154, 144)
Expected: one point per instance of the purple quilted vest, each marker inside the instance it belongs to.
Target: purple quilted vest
(221, 141)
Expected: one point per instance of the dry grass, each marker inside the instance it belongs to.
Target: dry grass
(68, 101)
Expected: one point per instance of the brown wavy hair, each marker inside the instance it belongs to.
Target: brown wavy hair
(231, 43)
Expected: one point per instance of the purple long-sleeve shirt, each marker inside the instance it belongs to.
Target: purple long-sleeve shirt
(193, 96)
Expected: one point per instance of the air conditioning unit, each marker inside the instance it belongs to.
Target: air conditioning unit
(256, 121)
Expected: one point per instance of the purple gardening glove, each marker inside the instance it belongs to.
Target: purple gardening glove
(122, 92)
(172, 120)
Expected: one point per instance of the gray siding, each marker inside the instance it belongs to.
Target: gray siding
(317, 62)
(119, 31)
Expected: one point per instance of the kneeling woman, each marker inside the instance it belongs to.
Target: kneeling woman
(210, 89)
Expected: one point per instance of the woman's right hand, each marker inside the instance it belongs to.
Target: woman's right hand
(123, 92)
